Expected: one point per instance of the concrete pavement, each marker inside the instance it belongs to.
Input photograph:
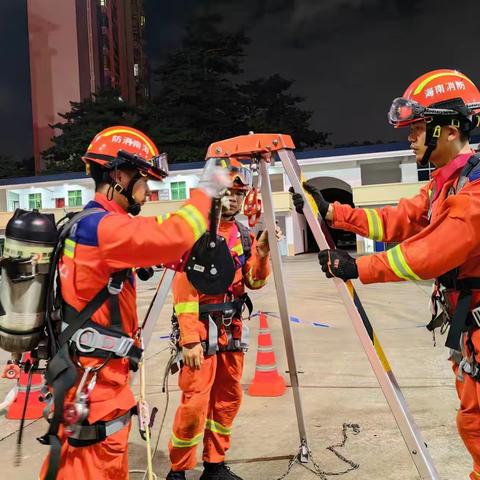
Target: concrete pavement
(337, 386)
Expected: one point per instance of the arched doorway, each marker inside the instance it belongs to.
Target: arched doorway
(334, 190)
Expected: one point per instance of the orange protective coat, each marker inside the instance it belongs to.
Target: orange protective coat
(211, 395)
(122, 242)
(429, 249)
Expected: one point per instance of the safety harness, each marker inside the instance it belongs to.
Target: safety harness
(80, 337)
(228, 314)
(464, 320)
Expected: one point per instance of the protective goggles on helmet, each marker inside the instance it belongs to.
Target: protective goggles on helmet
(158, 165)
(238, 173)
(241, 175)
(404, 111)
(160, 162)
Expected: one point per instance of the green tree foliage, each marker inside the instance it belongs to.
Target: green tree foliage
(197, 102)
(200, 100)
(16, 168)
(82, 123)
(268, 105)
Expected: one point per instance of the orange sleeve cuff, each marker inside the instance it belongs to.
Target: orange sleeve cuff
(375, 269)
(350, 219)
(263, 266)
(192, 337)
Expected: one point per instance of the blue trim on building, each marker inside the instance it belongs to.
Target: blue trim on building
(357, 150)
(185, 166)
(44, 178)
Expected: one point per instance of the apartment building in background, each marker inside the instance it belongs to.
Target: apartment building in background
(77, 48)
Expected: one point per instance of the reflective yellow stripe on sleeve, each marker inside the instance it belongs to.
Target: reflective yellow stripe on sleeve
(162, 218)
(375, 224)
(216, 427)
(238, 249)
(194, 219)
(399, 265)
(69, 248)
(181, 443)
(255, 283)
(186, 307)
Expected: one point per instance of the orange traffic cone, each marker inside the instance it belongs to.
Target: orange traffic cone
(266, 382)
(34, 407)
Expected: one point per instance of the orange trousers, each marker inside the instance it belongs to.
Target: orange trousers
(210, 401)
(468, 416)
(107, 460)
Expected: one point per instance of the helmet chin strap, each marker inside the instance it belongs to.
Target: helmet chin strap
(133, 206)
(434, 129)
(432, 134)
(230, 216)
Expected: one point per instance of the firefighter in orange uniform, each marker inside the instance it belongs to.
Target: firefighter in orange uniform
(438, 230)
(213, 338)
(89, 441)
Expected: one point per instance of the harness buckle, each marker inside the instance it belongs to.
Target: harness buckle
(227, 317)
(124, 345)
(114, 288)
(88, 339)
(476, 315)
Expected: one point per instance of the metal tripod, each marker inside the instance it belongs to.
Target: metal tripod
(260, 148)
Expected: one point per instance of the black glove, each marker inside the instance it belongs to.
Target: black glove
(297, 200)
(338, 263)
(322, 204)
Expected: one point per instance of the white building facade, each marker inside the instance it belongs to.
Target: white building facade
(372, 175)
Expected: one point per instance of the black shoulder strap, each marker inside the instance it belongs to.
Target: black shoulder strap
(112, 289)
(61, 373)
(52, 292)
(92, 306)
(245, 239)
(471, 165)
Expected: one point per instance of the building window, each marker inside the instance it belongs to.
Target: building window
(75, 198)
(34, 201)
(164, 194)
(179, 190)
(424, 172)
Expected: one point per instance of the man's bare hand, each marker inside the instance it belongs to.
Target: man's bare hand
(193, 355)
(263, 247)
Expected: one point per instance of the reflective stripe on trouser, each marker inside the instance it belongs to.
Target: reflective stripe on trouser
(468, 416)
(210, 402)
(107, 460)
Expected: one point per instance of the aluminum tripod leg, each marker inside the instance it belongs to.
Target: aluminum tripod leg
(269, 217)
(156, 305)
(371, 345)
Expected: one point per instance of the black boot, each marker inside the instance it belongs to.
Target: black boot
(176, 475)
(218, 471)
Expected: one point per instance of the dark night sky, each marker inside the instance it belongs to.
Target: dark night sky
(15, 109)
(349, 58)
